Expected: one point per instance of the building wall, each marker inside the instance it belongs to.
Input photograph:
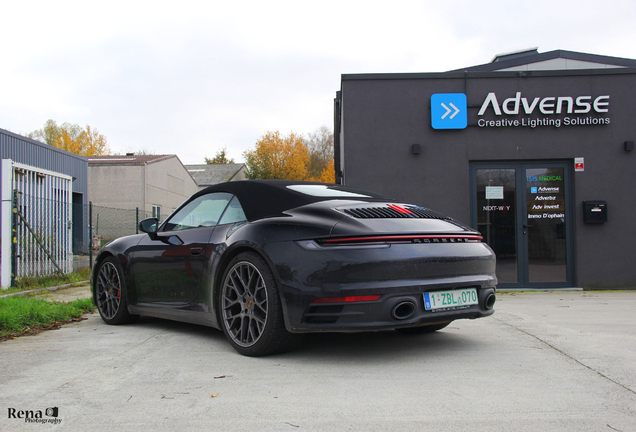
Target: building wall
(240, 175)
(116, 186)
(168, 184)
(117, 190)
(165, 183)
(382, 117)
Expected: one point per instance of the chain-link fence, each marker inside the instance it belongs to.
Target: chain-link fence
(111, 223)
(104, 224)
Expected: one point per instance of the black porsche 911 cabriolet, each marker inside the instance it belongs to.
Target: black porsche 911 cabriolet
(267, 260)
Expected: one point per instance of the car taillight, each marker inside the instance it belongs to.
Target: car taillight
(347, 299)
(459, 238)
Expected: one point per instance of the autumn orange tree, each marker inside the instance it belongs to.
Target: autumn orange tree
(289, 157)
(328, 173)
(278, 157)
(72, 138)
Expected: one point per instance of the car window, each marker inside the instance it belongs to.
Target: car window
(203, 211)
(233, 213)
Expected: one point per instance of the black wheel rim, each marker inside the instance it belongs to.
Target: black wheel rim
(108, 290)
(244, 304)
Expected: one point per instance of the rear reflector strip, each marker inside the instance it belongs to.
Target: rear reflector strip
(348, 299)
(408, 238)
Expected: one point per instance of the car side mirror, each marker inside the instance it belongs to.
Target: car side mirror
(149, 226)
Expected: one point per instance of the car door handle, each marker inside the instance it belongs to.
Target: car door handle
(196, 251)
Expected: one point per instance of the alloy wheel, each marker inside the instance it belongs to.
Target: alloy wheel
(108, 292)
(244, 304)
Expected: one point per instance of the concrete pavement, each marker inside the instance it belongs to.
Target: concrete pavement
(557, 361)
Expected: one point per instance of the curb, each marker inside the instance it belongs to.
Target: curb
(53, 288)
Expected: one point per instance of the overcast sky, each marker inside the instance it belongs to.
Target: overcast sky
(191, 77)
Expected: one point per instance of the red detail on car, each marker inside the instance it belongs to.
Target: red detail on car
(400, 209)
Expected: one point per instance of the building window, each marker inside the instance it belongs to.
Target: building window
(156, 212)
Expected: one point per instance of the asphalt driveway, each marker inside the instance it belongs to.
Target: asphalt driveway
(545, 361)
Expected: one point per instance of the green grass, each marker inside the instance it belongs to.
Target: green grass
(19, 314)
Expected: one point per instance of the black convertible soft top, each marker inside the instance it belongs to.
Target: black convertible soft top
(269, 198)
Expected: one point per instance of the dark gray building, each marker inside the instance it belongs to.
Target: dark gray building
(52, 186)
(534, 150)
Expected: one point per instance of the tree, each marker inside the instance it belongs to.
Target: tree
(219, 158)
(320, 147)
(141, 152)
(328, 174)
(278, 157)
(72, 138)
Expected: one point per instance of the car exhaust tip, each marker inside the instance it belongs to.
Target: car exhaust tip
(403, 310)
(490, 301)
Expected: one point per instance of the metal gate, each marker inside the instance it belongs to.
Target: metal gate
(40, 220)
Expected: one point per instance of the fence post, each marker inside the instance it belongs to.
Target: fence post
(90, 234)
(6, 212)
(137, 221)
(14, 239)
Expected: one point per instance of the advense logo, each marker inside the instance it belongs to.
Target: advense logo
(449, 111)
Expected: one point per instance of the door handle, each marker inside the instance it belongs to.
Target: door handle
(196, 251)
(527, 226)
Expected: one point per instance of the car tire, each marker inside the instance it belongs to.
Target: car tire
(250, 308)
(110, 294)
(422, 329)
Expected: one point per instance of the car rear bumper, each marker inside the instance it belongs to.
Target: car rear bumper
(390, 311)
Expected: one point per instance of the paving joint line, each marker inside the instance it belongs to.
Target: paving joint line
(116, 355)
(567, 355)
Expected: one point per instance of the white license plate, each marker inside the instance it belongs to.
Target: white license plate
(450, 299)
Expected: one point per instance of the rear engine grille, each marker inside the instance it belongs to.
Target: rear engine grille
(394, 212)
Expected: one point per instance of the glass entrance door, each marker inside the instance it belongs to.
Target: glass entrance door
(523, 213)
(497, 218)
(544, 229)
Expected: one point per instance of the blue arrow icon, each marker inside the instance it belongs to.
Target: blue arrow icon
(449, 111)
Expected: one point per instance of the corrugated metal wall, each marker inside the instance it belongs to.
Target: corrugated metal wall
(30, 152)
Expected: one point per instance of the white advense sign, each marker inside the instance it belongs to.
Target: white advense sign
(547, 106)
